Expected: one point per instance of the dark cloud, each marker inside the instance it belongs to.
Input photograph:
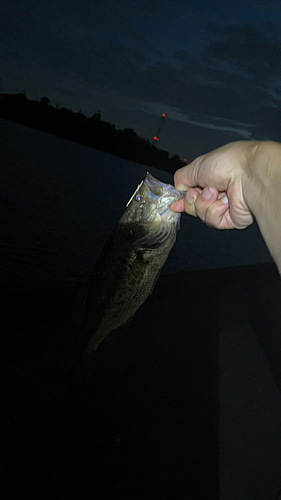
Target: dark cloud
(249, 48)
(255, 55)
(121, 10)
(141, 40)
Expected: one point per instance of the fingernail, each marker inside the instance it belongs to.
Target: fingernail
(225, 200)
(207, 193)
(189, 198)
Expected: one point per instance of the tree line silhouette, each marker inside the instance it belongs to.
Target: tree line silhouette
(93, 132)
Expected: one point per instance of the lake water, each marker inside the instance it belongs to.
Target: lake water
(60, 201)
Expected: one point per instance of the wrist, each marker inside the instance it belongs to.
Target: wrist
(262, 174)
(262, 193)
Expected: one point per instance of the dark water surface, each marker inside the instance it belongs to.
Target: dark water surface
(187, 403)
(60, 201)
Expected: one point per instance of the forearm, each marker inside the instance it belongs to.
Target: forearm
(262, 191)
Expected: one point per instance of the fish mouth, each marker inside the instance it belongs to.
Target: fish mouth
(150, 202)
(166, 194)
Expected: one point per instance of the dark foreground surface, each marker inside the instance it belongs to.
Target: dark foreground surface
(186, 404)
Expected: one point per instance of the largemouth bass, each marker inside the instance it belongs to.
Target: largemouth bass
(130, 262)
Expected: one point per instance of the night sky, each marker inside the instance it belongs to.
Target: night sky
(213, 67)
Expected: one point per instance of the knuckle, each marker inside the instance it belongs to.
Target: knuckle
(211, 221)
(212, 210)
(176, 177)
(201, 213)
(190, 209)
(201, 205)
(211, 215)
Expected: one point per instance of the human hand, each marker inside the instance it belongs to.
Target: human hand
(215, 186)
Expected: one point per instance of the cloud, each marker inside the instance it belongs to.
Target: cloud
(173, 113)
(123, 11)
(248, 48)
(142, 41)
(235, 83)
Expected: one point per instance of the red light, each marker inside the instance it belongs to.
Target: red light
(156, 138)
(185, 159)
(163, 114)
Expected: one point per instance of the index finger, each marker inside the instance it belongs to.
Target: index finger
(187, 176)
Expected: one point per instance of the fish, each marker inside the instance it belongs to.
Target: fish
(130, 262)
